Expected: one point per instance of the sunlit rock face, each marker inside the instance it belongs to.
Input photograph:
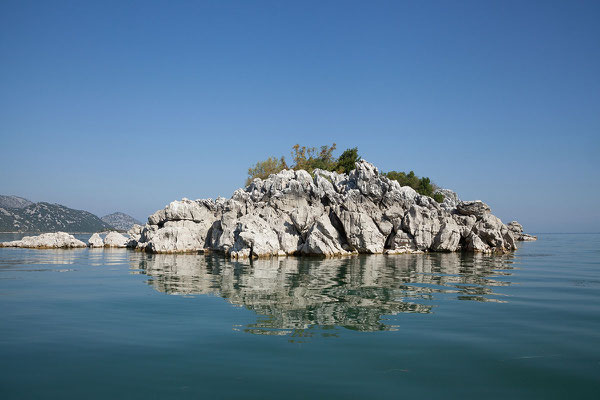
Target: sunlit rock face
(301, 294)
(326, 214)
(55, 240)
(95, 241)
(115, 239)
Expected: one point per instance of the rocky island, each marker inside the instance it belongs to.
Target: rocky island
(322, 214)
(327, 214)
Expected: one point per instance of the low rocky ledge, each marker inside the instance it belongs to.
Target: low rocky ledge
(115, 239)
(517, 231)
(55, 240)
(325, 214)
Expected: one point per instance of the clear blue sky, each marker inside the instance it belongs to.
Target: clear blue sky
(125, 105)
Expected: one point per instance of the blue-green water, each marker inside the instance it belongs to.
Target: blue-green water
(121, 324)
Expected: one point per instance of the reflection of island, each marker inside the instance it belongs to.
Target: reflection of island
(301, 293)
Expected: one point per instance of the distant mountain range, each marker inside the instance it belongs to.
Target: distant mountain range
(21, 215)
(13, 202)
(120, 221)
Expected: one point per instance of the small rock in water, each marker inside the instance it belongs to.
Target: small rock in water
(115, 239)
(54, 240)
(517, 231)
(95, 241)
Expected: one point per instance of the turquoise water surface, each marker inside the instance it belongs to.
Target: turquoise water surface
(91, 323)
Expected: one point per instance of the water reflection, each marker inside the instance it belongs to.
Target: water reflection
(13, 258)
(300, 295)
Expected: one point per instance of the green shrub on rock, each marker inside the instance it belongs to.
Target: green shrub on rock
(311, 158)
(263, 169)
(347, 161)
(422, 185)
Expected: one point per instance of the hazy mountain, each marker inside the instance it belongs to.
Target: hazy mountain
(13, 202)
(120, 221)
(46, 217)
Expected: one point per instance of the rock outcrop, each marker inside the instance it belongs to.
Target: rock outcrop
(134, 235)
(477, 208)
(451, 199)
(53, 240)
(517, 231)
(326, 214)
(95, 241)
(115, 239)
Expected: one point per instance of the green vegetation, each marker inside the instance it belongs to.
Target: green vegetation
(422, 185)
(308, 159)
(263, 169)
(346, 162)
(311, 158)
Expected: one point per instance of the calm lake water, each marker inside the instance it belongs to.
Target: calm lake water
(121, 324)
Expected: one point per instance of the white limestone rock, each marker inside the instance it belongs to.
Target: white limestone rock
(400, 242)
(197, 211)
(475, 244)
(54, 240)
(516, 229)
(448, 236)
(451, 199)
(95, 241)
(182, 226)
(323, 239)
(527, 238)
(135, 232)
(115, 239)
(476, 207)
(255, 238)
(292, 212)
(494, 233)
(181, 236)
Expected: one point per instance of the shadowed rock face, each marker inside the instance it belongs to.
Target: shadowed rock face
(327, 214)
(301, 294)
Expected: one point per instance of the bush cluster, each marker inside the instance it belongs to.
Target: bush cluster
(263, 169)
(422, 185)
(308, 159)
(311, 158)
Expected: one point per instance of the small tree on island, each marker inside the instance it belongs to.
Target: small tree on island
(347, 161)
(306, 158)
(263, 169)
(309, 159)
(422, 185)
